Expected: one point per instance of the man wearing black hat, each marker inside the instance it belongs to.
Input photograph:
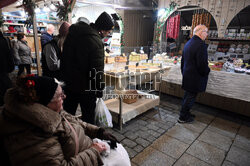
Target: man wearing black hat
(82, 65)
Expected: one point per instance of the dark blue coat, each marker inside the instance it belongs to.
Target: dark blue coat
(194, 65)
(45, 38)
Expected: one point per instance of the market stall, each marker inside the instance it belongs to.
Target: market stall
(126, 101)
(226, 90)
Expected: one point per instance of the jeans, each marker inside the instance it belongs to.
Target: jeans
(187, 103)
(87, 103)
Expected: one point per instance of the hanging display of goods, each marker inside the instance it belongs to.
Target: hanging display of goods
(200, 17)
(173, 27)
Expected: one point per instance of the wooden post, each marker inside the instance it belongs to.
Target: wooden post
(39, 70)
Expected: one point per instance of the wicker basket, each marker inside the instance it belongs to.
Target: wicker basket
(130, 96)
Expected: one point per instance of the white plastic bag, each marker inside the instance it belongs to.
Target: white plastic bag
(114, 157)
(103, 117)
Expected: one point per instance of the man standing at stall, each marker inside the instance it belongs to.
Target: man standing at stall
(195, 70)
(82, 65)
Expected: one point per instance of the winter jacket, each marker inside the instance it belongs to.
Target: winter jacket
(36, 135)
(22, 53)
(45, 38)
(194, 65)
(6, 66)
(51, 59)
(6, 58)
(82, 61)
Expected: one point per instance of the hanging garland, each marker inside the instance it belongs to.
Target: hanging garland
(121, 25)
(64, 9)
(29, 7)
(161, 21)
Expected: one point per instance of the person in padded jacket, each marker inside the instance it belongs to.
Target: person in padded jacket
(22, 54)
(82, 65)
(36, 131)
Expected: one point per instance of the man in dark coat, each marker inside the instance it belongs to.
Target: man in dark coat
(6, 66)
(82, 65)
(195, 70)
(48, 35)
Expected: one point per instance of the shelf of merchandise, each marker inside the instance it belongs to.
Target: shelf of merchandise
(229, 39)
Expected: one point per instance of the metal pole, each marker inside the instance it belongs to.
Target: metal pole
(39, 70)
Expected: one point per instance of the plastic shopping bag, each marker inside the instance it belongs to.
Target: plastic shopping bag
(103, 117)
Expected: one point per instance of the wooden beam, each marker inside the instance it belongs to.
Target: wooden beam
(39, 69)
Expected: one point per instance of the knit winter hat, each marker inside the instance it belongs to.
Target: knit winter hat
(104, 22)
(64, 29)
(45, 87)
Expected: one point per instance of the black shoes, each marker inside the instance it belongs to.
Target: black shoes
(188, 120)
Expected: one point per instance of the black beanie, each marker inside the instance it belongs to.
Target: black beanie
(45, 88)
(104, 22)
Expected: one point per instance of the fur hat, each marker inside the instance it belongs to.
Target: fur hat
(104, 22)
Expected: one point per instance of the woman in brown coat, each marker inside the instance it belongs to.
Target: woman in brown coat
(36, 131)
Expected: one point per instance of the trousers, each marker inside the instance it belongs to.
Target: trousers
(187, 103)
(87, 102)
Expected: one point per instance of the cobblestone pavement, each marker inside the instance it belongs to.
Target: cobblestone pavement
(215, 138)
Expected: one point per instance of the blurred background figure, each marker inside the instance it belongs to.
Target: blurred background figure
(22, 54)
(52, 53)
(48, 35)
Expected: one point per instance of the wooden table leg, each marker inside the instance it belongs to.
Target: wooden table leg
(120, 113)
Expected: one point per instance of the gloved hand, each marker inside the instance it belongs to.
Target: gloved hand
(99, 94)
(102, 134)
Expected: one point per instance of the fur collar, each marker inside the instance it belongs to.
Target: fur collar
(35, 114)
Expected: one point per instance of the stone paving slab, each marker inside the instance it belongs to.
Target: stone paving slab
(224, 127)
(242, 142)
(188, 160)
(238, 156)
(183, 134)
(228, 163)
(207, 153)
(196, 126)
(170, 146)
(215, 139)
(153, 157)
(244, 131)
(203, 117)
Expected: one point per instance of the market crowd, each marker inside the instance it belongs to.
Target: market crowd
(37, 122)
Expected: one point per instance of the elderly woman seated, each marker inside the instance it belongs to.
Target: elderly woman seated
(36, 131)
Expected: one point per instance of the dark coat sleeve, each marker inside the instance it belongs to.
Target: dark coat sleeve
(97, 63)
(6, 58)
(202, 60)
(182, 62)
